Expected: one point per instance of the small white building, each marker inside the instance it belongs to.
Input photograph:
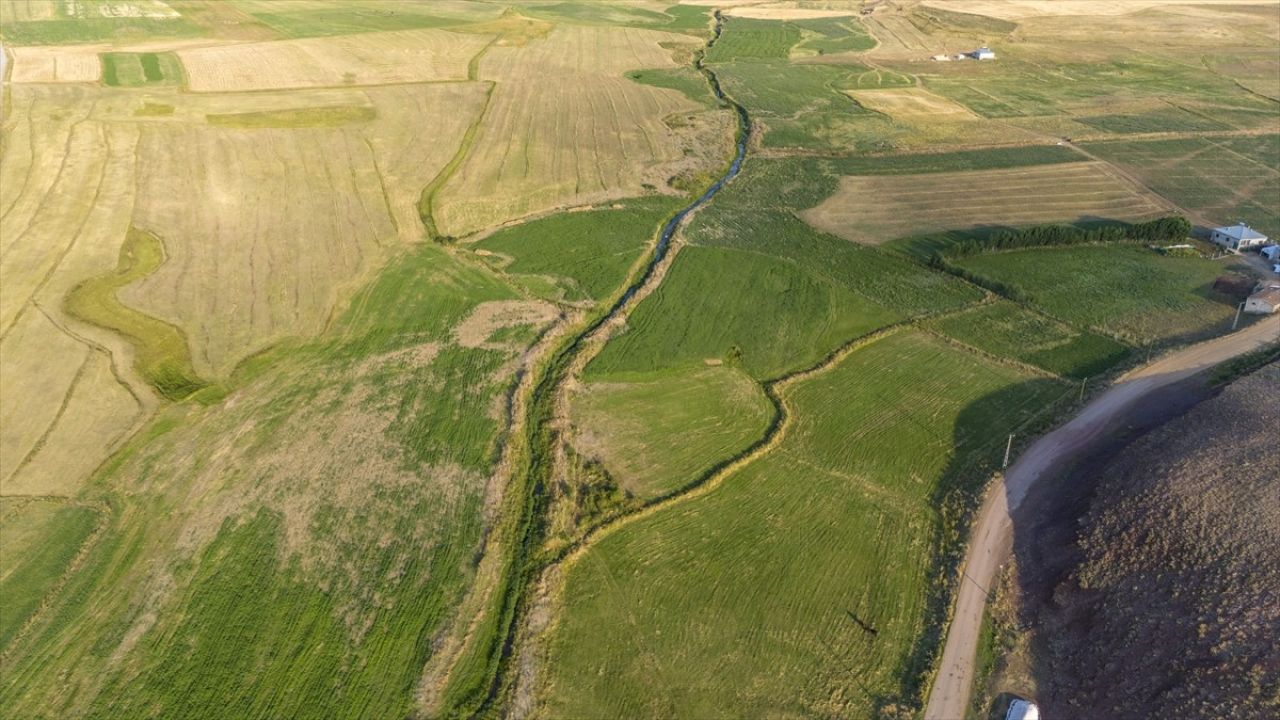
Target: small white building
(1264, 302)
(1238, 237)
(984, 53)
(1270, 252)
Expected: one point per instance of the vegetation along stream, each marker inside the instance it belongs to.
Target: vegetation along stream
(469, 694)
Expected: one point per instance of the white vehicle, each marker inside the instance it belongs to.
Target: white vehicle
(1022, 710)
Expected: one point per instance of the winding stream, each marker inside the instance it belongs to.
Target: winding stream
(520, 567)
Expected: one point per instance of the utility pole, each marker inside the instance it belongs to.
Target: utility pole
(1007, 448)
(1235, 322)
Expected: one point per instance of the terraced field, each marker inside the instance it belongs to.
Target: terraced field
(800, 584)
(875, 209)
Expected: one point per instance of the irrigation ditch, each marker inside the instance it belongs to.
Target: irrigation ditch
(485, 674)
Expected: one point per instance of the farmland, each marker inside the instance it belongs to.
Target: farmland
(363, 358)
(875, 209)
(1128, 292)
(682, 612)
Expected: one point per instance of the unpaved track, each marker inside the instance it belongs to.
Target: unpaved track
(992, 537)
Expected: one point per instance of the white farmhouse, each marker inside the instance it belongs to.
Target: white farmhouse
(1238, 237)
(984, 53)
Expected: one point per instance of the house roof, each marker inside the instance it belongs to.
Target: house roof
(1240, 231)
(1271, 296)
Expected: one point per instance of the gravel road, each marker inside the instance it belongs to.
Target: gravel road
(992, 537)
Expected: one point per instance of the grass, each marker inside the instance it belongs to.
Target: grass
(141, 69)
(85, 30)
(834, 35)
(660, 433)
(1004, 328)
(1121, 290)
(340, 531)
(801, 586)
(349, 20)
(162, 355)
(747, 39)
(331, 116)
(1225, 179)
(40, 537)
(682, 79)
(588, 252)
(804, 317)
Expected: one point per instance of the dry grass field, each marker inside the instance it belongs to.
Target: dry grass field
(28, 10)
(875, 209)
(55, 64)
(366, 59)
(564, 127)
(912, 104)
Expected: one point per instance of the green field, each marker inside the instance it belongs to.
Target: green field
(659, 434)
(834, 35)
(754, 600)
(587, 254)
(141, 69)
(40, 536)
(1225, 179)
(1121, 290)
(85, 30)
(1004, 328)
(382, 429)
(745, 39)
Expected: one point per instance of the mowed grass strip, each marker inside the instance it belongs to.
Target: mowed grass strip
(163, 356)
(798, 587)
(1122, 290)
(141, 69)
(660, 433)
(1005, 328)
(875, 209)
(331, 116)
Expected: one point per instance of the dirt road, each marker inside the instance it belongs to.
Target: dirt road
(993, 530)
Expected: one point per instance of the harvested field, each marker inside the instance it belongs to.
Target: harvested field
(912, 104)
(28, 10)
(281, 228)
(769, 12)
(564, 127)
(367, 59)
(873, 210)
(55, 64)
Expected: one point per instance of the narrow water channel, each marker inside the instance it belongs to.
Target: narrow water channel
(513, 603)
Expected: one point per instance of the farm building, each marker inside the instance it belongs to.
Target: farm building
(1271, 252)
(1238, 237)
(983, 53)
(1264, 302)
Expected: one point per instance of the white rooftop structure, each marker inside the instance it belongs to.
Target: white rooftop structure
(1238, 237)
(984, 53)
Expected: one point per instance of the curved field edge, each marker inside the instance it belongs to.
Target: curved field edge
(481, 681)
(918, 651)
(163, 356)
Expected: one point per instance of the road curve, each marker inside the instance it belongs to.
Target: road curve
(991, 540)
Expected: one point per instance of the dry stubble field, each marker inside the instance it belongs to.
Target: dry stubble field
(874, 209)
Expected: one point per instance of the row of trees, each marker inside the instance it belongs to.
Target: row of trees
(1173, 227)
